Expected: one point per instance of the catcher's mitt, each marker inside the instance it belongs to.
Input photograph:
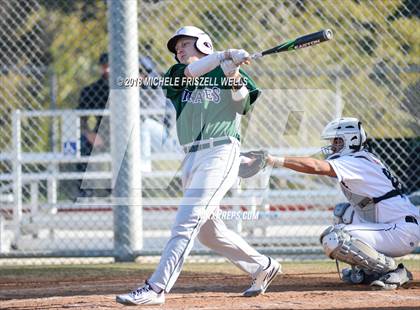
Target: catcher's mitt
(252, 162)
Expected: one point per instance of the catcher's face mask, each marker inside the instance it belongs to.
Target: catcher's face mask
(335, 146)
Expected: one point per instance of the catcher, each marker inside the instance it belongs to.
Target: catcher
(376, 225)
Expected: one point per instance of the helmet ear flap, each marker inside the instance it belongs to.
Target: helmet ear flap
(362, 137)
(204, 45)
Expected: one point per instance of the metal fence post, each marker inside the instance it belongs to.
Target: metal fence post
(17, 176)
(125, 129)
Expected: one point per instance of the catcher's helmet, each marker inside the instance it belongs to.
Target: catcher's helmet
(203, 43)
(348, 129)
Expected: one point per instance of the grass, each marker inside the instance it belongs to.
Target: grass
(130, 269)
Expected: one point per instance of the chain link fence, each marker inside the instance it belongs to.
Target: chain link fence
(55, 138)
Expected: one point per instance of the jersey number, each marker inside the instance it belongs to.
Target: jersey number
(394, 181)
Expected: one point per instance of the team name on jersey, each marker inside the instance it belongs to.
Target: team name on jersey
(201, 95)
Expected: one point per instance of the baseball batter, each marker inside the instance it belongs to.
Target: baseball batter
(207, 127)
(379, 222)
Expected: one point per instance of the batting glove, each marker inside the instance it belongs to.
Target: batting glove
(239, 56)
(229, 68)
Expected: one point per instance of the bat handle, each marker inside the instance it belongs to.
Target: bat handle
(256, 55)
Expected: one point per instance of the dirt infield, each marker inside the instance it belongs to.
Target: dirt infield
(301, 286)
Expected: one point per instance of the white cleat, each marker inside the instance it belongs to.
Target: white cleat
(144, 295)
(393, 280)
(263, 279)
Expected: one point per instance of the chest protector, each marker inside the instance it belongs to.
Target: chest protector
(363, 206)
(367, 207)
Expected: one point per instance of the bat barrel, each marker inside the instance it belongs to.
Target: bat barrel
(298, 43)
(312, 39)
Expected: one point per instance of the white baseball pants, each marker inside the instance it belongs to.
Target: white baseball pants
(207, 176)
(392, 239)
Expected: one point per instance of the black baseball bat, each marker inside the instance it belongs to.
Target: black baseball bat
(298, 43)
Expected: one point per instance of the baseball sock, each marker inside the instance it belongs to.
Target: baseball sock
(155, 288)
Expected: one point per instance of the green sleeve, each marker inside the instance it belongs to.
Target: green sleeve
(254, 92)
(176, 71)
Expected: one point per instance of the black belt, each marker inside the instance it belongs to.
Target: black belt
(203, 146)
(411, 219)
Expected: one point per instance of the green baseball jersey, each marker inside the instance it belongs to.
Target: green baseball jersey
(205, 109)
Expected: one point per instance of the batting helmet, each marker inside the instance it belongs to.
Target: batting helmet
(350, 130)
(203, 43)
